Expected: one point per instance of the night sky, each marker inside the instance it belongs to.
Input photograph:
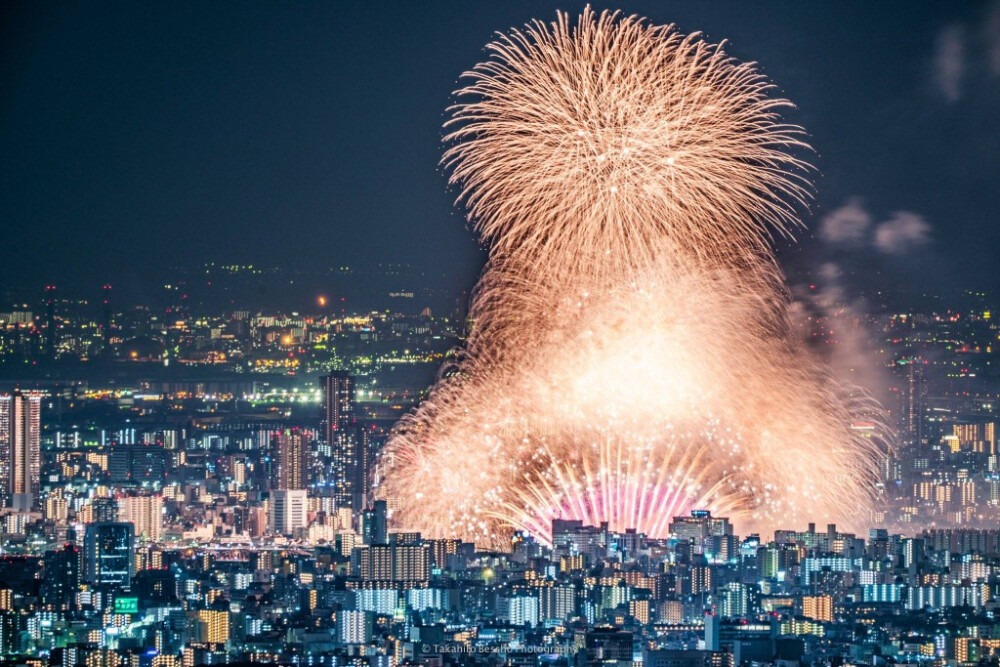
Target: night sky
(138, 137)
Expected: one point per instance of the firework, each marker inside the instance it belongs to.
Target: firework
(630, 356)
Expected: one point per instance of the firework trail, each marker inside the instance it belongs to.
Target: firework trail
(631, 356)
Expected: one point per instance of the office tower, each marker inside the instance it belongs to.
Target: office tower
(290, 460)
(341, 433)
(145, 513)
(20, 450)
(109, 548)
(375, 528)
(289, 511)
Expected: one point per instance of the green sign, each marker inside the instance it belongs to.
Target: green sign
(126, 605)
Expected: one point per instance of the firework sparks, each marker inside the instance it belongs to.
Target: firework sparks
(631, 356)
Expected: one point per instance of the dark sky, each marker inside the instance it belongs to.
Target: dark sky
(137, 136)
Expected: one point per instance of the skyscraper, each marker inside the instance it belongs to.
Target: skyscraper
(290, 453)
(341, 433)
(20, 450)
(109, 548)
(338, 404)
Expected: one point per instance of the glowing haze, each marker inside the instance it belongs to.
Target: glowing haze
(631, 356)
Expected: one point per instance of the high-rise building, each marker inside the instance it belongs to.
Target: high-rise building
(375, 523)
(290, 454)
(979, 437)
(411, 563)
(109, 549)
(143, 512)
(340, 430)
(518, 609)
(143, 464)
(406, 565)
(913, 396)
(571, 537)
(213, 626)
(103, 510)
(556, 602)
(62, 577)
(338, 404)
(818, 607)
(289, 510)
(20, 450)
(354, 627)
(738, 600)
(699, 528)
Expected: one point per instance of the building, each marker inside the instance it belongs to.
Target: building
(338, 405)
(289, 510)
(61, 569)
(102, 510)
(340, 431)
(145, 513)
(570, 537)
(518, 609)
(290, 453)
(818, 607)
(700, 528)
(213, 626)
(556, 602)
(354, 627)
(375, 523)
(739, 600)
(20, 450)
(684, 658)
(404, 565)
(604, 646)
(143, 464)
(108, 553)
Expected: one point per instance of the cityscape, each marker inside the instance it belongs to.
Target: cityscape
(223, 512)
(635, 426)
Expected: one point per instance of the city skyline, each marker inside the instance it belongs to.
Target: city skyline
(500, 335)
